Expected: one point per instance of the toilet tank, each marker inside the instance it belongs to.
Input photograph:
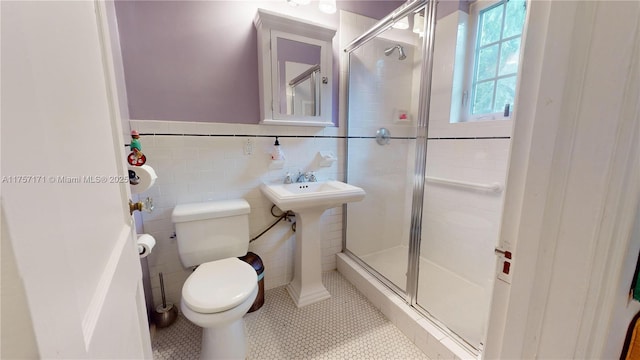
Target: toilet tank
(211, 231)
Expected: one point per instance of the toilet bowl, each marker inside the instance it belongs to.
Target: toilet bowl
(222, 288)
(216, 297)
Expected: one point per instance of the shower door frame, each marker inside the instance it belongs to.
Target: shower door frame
(422, 125)
(409, 294)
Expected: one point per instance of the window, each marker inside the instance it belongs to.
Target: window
(497, 54)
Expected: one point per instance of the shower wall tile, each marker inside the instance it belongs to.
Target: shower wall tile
(461, 224)
(379, 100)
(442, 82)
(204, 168)
(384, 85)
(380, 220)
(460, 231)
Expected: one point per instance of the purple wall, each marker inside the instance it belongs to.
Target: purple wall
(376, 9)
(446, 7)
(197, 60)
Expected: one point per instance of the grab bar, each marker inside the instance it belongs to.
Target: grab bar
(493, 187)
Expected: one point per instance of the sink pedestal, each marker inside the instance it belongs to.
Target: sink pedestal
(308, 201)
(306, 287)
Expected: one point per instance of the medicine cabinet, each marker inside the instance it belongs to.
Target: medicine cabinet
(295, 70)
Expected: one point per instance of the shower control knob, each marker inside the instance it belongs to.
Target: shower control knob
(383, 136)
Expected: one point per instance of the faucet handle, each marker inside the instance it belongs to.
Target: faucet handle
(302, 177)
(287, 179)
(312, 177)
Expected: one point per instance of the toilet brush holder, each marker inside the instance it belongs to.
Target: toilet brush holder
(165, 313)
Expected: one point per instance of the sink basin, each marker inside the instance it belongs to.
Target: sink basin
(308, 201)
(322, 194)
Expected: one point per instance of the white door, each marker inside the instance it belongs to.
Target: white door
(63, 196)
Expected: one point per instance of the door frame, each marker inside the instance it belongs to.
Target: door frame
(569, 211)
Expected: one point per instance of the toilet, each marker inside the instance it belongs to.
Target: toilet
(220, 291)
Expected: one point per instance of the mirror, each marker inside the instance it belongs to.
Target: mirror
(303, 93)
(298, 77)
(295, 69)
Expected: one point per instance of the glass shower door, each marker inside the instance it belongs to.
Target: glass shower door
(476, 58)
(383, 103)
(449, 214)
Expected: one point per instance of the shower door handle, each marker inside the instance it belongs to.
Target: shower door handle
(504, 270)
(506, 253)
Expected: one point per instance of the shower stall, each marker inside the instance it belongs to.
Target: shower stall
(429, 224)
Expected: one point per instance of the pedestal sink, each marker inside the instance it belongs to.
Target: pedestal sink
(308, 201)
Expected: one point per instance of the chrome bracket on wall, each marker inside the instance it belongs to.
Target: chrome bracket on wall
(383, 136)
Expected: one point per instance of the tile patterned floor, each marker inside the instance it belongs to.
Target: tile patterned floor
(180, 341)
(346, 326)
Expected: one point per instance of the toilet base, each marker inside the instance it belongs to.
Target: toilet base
(223, 334)
(224, 342)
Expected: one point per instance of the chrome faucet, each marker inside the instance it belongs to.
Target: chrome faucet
(309, 176)
(302, 177)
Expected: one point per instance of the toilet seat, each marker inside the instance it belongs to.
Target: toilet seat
(219, 285)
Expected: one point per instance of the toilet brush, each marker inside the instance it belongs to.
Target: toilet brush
(165, 314)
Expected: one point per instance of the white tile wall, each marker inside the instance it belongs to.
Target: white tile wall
(378, 222)
(459, 222)
(380, 86)
(205, 168)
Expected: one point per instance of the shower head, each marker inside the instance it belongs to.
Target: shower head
(389, 51)
(401, 52)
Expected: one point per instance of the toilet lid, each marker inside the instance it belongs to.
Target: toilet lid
(219, 285)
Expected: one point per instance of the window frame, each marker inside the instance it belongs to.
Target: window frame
(471, 63)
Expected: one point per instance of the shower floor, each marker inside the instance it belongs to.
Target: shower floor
(456, 302)
(390, 263)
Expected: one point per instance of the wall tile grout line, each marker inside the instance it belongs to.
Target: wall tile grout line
(327, 136)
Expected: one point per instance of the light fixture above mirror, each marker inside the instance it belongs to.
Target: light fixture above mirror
(326, 6)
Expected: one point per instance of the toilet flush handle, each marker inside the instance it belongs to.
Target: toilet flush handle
(147, 205)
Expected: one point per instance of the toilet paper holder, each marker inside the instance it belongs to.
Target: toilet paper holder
(141, 178)
(146, 205)
(145, 243)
